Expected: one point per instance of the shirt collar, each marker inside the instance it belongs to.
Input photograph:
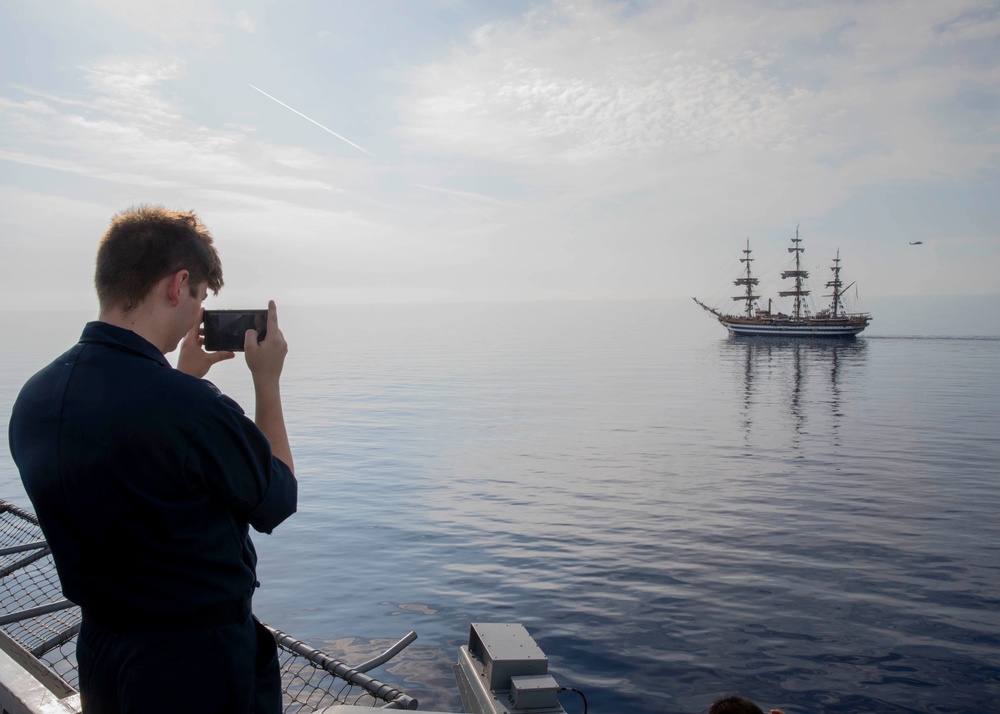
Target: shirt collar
(106, 334)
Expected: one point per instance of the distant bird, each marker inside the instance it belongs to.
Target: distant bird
(916, 242)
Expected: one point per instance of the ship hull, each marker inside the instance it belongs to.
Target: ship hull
(814, 328)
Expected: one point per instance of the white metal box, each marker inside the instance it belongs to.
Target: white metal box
(537, 691)
(506, 650)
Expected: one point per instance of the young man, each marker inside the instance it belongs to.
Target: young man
(145, 480)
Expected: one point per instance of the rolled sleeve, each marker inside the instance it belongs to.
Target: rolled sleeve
(279, 501)
(234, 459)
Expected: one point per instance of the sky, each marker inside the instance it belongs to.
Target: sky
(449, 150)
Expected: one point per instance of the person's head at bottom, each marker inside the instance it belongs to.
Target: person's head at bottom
(737, 705)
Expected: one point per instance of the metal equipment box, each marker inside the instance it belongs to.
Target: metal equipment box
(506, 650)
(537, 691)
(503, 671)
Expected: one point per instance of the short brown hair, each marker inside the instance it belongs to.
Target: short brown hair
(143, 245)
(734, 705)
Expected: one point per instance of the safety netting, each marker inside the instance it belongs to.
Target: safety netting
(38, 623)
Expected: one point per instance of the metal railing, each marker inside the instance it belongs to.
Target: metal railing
(35, 618)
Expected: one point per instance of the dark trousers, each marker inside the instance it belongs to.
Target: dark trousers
(221, 670)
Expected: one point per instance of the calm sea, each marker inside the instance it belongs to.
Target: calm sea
(673, 514)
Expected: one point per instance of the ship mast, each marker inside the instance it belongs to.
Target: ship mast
(798, 274)
(749, 281)
(836, 284)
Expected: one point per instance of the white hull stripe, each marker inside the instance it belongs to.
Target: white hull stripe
(813, 331)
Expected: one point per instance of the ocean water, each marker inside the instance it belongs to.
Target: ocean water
(673, 514)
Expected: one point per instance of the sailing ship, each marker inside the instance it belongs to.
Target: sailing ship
(831, 322)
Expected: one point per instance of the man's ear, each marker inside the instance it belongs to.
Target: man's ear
(178, 281)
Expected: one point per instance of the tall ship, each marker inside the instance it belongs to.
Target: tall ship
(831, 322)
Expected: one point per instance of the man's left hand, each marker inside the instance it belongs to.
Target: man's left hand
(193, 359)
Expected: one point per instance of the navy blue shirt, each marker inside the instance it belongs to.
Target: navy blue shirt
(145, 481)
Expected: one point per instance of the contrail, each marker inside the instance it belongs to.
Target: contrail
(314, 122)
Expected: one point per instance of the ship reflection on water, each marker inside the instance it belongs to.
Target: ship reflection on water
(782, 377)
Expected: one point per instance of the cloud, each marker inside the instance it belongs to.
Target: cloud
(187, 21)
(588, 81)
(653, 129)
(634, 86)
(29, 108)
(584, 148)
(195, 23)
(128, 87)
(127, 131)
(466, 198)
(245, 22)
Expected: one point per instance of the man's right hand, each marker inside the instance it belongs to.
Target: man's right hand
(267, 358)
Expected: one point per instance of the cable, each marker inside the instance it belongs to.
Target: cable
(571, 689)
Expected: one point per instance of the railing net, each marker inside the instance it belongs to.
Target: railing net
(311, 679)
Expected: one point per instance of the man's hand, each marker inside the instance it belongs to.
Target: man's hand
(265, 360)
(193, 359)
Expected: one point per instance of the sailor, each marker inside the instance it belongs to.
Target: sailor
(146, 479)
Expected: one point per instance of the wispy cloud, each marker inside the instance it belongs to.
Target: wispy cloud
(824, 81)
(245, 22)
(129, 88)
(127, 131)
(196, 24)
(473, 201)
(634, 86)
(585, 147)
